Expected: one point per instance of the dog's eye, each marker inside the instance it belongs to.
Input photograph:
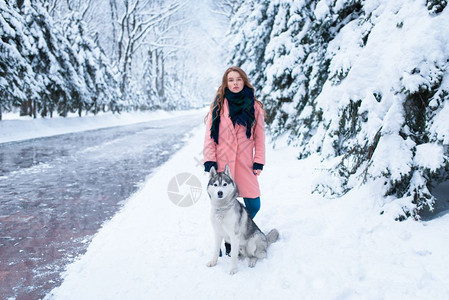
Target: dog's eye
(215, 184)
(225, 184)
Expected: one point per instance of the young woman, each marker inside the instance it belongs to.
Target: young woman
(235, 136)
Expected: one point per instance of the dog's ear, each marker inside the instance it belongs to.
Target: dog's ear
(212, 172)
(227, 171)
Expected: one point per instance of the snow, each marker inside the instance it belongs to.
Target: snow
(14, 128)
(429, 156)
(321, 10)
(341, 248)
(440, 126)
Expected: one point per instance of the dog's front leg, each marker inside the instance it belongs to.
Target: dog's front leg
(218, 240)
(235, 245)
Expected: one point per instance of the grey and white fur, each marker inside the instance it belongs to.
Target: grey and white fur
(231, 222)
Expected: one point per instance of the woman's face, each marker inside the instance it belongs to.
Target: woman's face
(235, 82)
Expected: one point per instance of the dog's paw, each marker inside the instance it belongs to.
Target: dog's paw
(233, 271)
(252, 262)
(212, 263)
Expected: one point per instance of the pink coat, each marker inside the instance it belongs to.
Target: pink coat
(236, 150)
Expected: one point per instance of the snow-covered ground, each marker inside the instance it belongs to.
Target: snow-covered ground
(329, 248)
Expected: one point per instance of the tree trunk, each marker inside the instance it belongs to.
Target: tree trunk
(34, 109)
(114, 18)
(25, 108)
(162, 90)
(157, 72)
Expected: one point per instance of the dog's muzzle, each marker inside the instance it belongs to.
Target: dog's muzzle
(220, 194)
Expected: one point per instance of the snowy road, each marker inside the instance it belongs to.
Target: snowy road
(55, 193)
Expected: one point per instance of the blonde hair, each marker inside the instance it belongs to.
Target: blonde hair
(219, 96)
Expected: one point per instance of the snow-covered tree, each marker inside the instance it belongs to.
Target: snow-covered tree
(90, 56)
(364, 84)
(15, 72)
(58, 84)
(47, 69)
(249, 35)
(138, 19)
(98, 84)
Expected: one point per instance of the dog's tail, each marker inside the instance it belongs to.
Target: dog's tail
(272, 236)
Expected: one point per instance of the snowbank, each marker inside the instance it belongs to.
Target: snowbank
(329, 249)
(16, 129)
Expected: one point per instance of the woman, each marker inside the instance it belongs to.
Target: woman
(235, 136)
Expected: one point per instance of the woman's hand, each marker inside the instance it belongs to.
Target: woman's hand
(257, 172)
(257, 168)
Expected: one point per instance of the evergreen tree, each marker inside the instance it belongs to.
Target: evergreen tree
(15, 73)
(251, 27)
(44, 69)
(327, 84)
(98, 87)
(57, 80)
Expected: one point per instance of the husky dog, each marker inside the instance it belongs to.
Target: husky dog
(231, 222)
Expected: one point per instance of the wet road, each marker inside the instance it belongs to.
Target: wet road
(56, 192)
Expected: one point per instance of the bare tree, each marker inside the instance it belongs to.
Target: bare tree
(55, 7)
(225, 7)
(151, 44)
(114, 18)
(138, 19)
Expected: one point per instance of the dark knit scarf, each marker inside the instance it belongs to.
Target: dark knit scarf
(241, 111)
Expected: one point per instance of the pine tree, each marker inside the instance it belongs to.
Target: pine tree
(98, 88)
(51, 64)
(319, 73)
(250, 33)
(15, 74)
(44, 69)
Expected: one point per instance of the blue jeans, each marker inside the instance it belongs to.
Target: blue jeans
(252, 205)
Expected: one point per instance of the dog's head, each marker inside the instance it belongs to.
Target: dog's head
(221, 185)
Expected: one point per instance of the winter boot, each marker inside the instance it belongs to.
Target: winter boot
(228, 249)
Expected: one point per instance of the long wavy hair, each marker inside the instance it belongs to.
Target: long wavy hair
(219, 96)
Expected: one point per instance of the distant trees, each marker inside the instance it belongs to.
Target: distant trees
(79, 56)
(49, 67)
(226, 8)
(136, 24)
(362, 85)
(14, 75)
